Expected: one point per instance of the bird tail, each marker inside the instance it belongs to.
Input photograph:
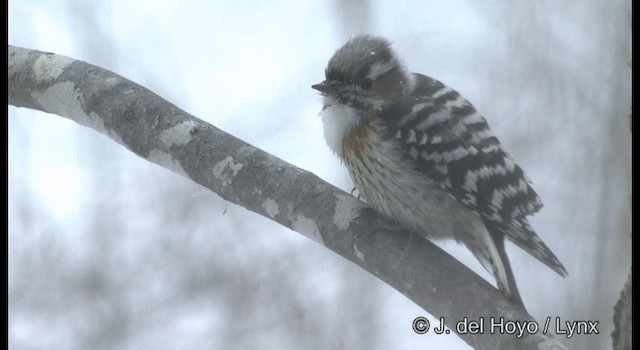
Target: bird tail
(521, 233)
(511, 287)
(491, 253)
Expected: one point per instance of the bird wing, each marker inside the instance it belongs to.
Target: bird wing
(452, 144)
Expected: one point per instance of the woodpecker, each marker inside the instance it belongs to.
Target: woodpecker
(420, 154)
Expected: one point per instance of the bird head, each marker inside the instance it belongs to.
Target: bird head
(363, 74)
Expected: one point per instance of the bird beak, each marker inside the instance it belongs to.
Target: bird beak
(328, 87)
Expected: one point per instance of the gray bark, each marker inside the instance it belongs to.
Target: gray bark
(160, 132)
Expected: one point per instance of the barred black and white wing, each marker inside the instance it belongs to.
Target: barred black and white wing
(451, 143)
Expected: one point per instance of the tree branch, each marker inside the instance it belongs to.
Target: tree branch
(622, 334)
(161, 133)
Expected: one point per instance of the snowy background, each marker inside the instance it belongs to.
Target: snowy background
(108, 251)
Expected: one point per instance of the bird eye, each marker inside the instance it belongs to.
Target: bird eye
(366, 84)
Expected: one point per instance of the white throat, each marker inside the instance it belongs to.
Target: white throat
(338, 120)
